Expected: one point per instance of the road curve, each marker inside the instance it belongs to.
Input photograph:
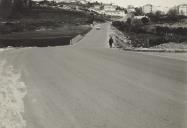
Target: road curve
(95, 87)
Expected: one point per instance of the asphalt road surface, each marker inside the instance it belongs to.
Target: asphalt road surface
(92, 86)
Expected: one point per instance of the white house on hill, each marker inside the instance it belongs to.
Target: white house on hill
(148, 8)
(182, 9)
(119, 13)
(110, 7)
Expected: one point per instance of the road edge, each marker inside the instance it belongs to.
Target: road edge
(156, 50)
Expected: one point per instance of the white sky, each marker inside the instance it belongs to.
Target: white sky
(125, 3)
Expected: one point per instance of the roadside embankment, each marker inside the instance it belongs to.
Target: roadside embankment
(123, 42)
(38, 42)
(42, 38)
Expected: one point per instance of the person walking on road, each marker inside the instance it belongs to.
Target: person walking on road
(111, 42)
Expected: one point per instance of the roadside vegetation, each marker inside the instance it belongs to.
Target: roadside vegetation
(154, 29)
(42, 18)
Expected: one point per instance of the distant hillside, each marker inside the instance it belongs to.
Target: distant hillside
(45, 18)
(43, 27)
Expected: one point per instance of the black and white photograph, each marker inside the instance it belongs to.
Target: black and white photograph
(93, 64)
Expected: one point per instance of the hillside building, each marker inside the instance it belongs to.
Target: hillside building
(148, 8)
(182, 9)
(110, 7)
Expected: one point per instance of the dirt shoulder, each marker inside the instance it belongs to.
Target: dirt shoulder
(12, 92)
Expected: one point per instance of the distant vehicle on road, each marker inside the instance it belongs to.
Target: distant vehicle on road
(98, 27)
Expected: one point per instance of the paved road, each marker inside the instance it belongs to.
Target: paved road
(98, 87)
(96, 38)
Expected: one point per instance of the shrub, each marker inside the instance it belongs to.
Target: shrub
(145, 20)
(165, 30)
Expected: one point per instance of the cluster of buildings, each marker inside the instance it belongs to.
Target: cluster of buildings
(66, 4)
(108, 9)
(149, 8)
(78, 5)
(100, 8)
(111, 9)
(182, 9)
(73, 1)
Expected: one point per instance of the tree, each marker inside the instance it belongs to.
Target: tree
(155, 17)
(120, 8)
(44, 2)
(12, 7)
(20, 7)
(158, 13)
(102, 7)
(138, 11)
(129, 23)
(172, 12)
(5, 8)
(145, 20)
